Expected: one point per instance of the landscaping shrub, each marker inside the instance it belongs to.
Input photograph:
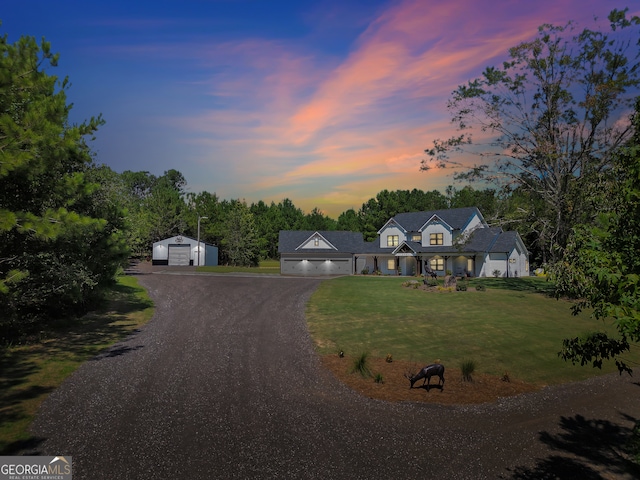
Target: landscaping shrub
(378, 378)
(481, 288)
(496, 273)
(445, 289)
(461, 287)
(361, 365)
(468, 367)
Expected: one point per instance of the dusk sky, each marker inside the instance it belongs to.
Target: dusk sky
(322, 102)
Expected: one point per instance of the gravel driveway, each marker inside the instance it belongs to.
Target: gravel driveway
(224, 383)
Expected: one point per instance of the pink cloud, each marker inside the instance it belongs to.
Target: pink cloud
(360, 124)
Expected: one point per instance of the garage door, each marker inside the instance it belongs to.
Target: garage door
(179, 254)
(335, 266)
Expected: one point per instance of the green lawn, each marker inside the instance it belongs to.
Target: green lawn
(513, 326)
(28, 373)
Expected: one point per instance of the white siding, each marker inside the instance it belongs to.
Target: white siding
(473, 224)
(389, 231)
(160, 252)
(436, 227)
(496, 261)
(321, 243)
(518, 264)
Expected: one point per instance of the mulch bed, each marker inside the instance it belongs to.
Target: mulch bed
(395, 387)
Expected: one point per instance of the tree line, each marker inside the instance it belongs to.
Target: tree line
(159, 207)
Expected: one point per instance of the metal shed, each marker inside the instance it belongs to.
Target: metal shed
(183, 251)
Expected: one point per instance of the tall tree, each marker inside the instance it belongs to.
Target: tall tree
(58, 245)
(164, 209)
(136, 188)
(601, 266)
(349, 221)
(240, 241)
(205, 204)
(264, 227)
(316, 220)
(376, 211)
(548, 118)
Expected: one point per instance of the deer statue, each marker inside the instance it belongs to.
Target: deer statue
(428, 271)
(427, 372)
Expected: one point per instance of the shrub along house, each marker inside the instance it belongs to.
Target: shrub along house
(456, 240)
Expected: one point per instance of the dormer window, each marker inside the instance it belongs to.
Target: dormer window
(416, 237)
(393, 240)
(436, 239)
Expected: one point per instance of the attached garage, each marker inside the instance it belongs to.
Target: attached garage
(183, 251)
(318, 253)
(316, 266)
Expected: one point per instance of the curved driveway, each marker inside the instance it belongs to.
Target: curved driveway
(224, 383)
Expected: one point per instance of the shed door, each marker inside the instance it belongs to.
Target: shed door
(179, 254)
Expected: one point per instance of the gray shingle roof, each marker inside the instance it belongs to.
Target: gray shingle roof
(347, 242)
(505, 242)
(487, 239)
(457, 218)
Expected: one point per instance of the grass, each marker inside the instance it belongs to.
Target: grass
(266, 266)
(513, 326)
(29, 372)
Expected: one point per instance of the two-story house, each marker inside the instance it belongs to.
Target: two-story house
(455, 240)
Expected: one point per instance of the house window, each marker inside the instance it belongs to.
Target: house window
(392, 240)
(416, 237)
(391, 264)
(437, 264)
(436, 239)
(470, 266)
(316, 242)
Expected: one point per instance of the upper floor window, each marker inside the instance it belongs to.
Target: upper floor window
(436, 239)
(416, 237)
(316, 242)
(392, 240)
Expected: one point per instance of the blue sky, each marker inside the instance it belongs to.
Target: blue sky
(322, 102)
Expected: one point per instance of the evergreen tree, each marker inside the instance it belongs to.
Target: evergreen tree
(240, 240)
(58, 244)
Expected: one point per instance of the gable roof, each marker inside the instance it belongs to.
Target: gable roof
(289, 241)
(506, 242)
(456, 218)
(481, 240)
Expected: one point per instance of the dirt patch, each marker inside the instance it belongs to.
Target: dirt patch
(395, 387)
